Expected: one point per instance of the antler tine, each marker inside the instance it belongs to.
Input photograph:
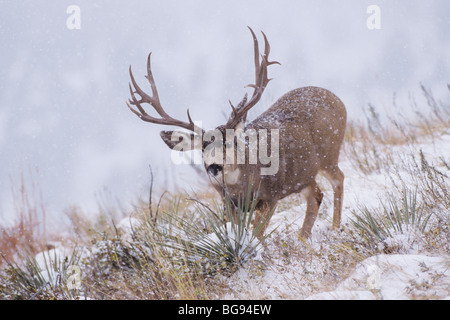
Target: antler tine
(233, 108)
(155, 103)
(142, 114)
(267, 51)
(243, 102)
(137, 89)
(135, 102)
(239, 106)
(151, 80)
(261, 80)
(256, 51)
(149, 76)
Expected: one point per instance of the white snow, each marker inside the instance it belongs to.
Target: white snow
(50, 263)
(395, 277)
(127, 226)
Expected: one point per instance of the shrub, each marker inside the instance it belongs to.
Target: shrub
(396, 217)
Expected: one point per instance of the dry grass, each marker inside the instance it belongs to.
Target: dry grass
(26, 234)
(369, 147)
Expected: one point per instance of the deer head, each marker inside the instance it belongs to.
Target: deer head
(228, 139)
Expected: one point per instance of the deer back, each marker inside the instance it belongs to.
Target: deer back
(311, 123)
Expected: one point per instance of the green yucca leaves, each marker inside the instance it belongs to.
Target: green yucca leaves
(44, 277)
(396, 216)
(216, 239)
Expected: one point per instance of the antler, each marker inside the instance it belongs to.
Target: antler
(261, 82)
(155, 103)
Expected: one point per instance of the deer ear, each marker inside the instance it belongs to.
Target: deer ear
(179, 140)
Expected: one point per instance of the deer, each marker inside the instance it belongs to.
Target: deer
(309, 123)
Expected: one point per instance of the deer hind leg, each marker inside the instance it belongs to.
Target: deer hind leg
(336, 178)
(314, 198)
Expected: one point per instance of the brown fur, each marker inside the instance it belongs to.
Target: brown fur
(312, 123)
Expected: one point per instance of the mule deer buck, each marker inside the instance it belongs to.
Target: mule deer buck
(310, 123)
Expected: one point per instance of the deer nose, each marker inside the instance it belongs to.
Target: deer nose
(214, 169)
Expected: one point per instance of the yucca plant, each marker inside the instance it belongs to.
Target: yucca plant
(43, 278)
(214, 240)
(396, 216)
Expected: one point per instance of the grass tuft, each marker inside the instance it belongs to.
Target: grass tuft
(45, 276)
(395, 216)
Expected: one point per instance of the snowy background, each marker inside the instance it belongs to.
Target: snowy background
(63, 118)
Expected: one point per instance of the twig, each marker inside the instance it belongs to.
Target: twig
(150, 193)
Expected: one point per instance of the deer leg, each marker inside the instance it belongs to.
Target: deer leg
(313, 200)
(336, 178)
(264, 212)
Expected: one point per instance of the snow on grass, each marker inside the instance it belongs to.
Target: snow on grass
(52, 263)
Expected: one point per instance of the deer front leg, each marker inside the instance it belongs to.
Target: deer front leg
(264, 212)
(313, 200)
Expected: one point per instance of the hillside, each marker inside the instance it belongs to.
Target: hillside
(394, 241)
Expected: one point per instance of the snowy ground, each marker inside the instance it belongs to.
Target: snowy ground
(399, 276)
(415, 273)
